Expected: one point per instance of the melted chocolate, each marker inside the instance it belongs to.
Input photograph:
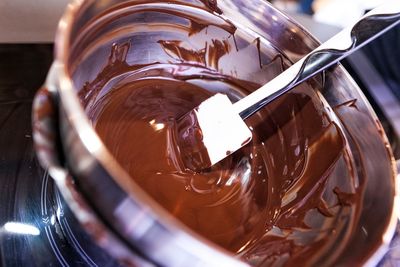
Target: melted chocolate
(276, 199)
(189, 140)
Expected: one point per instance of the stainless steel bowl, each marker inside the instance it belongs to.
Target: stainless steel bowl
(117, 213)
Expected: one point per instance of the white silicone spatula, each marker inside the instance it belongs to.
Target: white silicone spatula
(216, 128)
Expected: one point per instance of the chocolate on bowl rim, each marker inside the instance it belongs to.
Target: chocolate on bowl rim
(80, 122)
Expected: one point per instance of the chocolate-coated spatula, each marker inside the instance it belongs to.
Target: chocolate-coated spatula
(215, 129)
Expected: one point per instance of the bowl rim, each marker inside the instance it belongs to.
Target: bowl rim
(91, 141)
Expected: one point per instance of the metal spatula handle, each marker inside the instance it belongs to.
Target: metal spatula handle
(369, 27)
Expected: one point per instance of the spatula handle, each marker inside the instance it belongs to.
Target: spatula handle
(369, 27)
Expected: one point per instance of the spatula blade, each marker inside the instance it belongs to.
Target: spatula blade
(211, 132)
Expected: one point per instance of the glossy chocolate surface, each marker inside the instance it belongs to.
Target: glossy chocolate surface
(286, 197)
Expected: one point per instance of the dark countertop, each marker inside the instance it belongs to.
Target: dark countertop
(36, 227)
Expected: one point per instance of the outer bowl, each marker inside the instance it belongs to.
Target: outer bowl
(129, 224)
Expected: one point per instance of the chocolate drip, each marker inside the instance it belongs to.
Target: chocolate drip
(208, 56)
(212, 5)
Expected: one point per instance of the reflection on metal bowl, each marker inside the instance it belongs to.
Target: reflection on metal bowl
(326, 182)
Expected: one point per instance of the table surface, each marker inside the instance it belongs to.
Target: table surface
(35, 223)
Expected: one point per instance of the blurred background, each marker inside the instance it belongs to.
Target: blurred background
(334, 12)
